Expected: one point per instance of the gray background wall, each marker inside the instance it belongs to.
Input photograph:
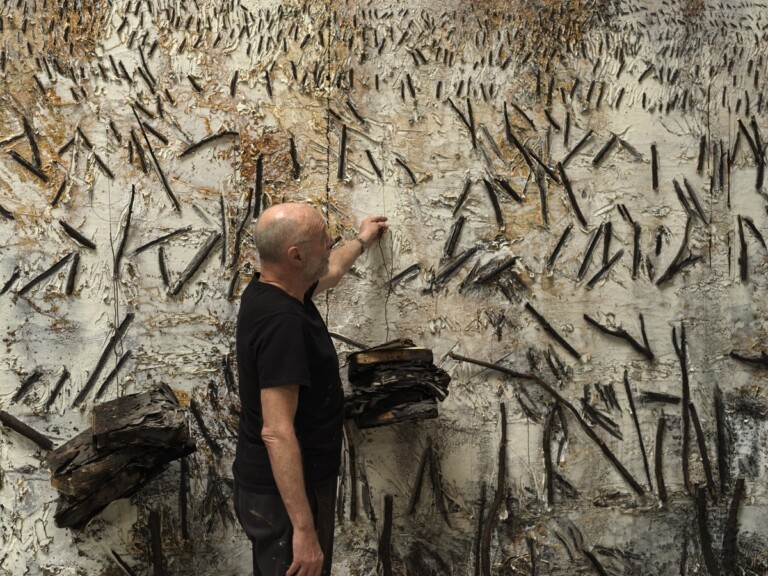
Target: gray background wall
(419, 87)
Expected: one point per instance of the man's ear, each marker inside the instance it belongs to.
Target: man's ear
(295, 257)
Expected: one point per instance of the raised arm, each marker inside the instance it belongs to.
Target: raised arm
(342, 258)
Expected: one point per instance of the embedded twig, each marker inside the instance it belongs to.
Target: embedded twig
(731, 531)
(27, 431)
(159, 240)
(183, 498)
(419, 481)
(547, 443)
(631, 401)
(212, 444)
(621, 333)
(682, 354)
(705, 539)
(116, 337)
(723, 452)
(113, 373)
(26, 386)
(501, 480)
(385, 540)
(156, 544)
(552, 332)
(195, 263)
(44, 275)
(659, 461)
(479, 533)
(703, 452)
(557, 396)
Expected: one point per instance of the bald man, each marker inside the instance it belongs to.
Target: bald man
(289, 442)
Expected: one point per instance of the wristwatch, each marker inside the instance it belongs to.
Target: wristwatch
(362, 245)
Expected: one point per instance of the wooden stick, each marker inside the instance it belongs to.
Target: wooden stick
(28, 432)
(555, 394)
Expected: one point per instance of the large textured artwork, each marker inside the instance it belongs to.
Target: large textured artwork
(577, 204)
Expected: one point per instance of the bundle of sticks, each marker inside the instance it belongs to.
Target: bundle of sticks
(132, 439)
(392, 383)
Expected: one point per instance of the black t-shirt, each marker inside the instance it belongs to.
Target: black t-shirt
(281, 341)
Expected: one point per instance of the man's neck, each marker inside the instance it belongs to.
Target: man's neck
(292, 288)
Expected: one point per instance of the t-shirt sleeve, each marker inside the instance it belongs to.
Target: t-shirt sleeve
(280, 352)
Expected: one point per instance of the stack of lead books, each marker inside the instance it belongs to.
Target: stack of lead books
(394, 382)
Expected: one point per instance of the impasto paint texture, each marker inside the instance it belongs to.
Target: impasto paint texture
(577, 206)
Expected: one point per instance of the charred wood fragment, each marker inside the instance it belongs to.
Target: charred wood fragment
(479, 531)
(184, 498)
(77, 236)
(376, 168)
(112, 374)
(108, 349)
(679, 263)
(493, 510)
(72, 276)
(407, 169)
(557, 396)
(408, 272)
(590, 251)
(7, 214)
(703, 452)
(453, 237)
(631, 401)
(209, 439)
(207, 140)
(579, 145)
(556, 252)
(158, 169)
(659, 459)
(385, 540)
(751, 225)
(11, 281)
(596, 417)
(742, 252)
(731, 531)
(547, 444)
(419, 481)
(723, 443)
(636, 253)
(682, 355)
(495, 203)
(571, 196)
(195, 263)
(660, 397)
(44, 275)
(450, 268)
(120, 562)
(26, 386)
(126, 231)
(552, 332)
(624, 335)
(163, 266)
(604, 150)
(57, 389)
(27, 431)
(705, 538)
(159, 240)
(28, 165)
(156, 544)
(605, 269)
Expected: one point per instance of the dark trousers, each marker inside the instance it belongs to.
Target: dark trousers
(268, 527)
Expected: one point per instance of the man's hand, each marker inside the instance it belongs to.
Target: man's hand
(371, 229)
(307, 555)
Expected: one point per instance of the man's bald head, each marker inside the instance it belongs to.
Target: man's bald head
(282, 226)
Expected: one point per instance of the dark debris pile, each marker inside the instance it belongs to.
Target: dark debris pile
(394, 382)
